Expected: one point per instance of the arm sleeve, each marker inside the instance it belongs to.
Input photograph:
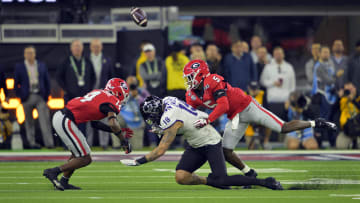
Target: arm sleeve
(221, 100)
(105, 108)
(101, 126)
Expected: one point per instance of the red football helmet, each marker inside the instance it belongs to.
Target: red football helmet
(195, 72)
(118, 88)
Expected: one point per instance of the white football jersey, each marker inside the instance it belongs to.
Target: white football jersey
(177, 110)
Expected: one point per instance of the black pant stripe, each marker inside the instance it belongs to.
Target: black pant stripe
(68, 135)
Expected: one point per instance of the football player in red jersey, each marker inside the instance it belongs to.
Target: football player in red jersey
(213, 92)
(94, 106)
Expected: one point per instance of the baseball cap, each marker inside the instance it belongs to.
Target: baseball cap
(148, 47)
(254, 85)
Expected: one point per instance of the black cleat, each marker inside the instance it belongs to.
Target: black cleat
(271, 183)
(322, 123)
(52, 174)
(252, 173)
(71, 187)
(65, 183)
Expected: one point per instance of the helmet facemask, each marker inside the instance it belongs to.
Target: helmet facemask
(190, 80)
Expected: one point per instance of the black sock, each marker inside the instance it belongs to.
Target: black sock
(235, 180)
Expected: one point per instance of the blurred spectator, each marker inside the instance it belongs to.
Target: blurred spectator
(175, 63)
(278, 78)
(76, 75)
(309, 66)
(197, 52)
(239, 68)
(153, 72)
(256, 43)
(262, 60)
(103, 67)
(131, 112)
(245, 47)
(3, 81)
(196, 48)
(5, 126)
(32, 85)
(340, 63)
(324, 82)
(349, 118)
(103, 71)
(353, 71)
(324, 92)
(213, 58)
(140, 60)
(298, 108)
(253, 134)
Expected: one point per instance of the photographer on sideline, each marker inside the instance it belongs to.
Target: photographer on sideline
(299, 107)
(349, 118)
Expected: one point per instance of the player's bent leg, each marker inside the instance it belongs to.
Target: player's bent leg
(295, 125)
(310, 144)
(183, 177)
(239, 180)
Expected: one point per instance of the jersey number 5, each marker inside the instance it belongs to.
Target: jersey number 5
(90, 96)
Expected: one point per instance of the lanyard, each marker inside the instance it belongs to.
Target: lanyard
(148, 66)
(75, 68)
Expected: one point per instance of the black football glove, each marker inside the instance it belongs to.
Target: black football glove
(126, 146)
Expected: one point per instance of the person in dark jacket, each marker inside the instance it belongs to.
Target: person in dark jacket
(32, 85)
(76, 75)
(239, 67)
(353, 71)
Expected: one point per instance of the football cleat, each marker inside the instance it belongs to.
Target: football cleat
(52, 175)
(271, 183)
(322, 123)
(65, 183)
(252, 173)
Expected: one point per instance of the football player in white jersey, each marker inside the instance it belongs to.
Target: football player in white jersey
(171, 116)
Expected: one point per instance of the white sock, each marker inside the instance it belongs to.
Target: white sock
(312, 123)
(245, 169)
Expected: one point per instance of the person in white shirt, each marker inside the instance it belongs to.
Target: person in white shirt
(103, 71)
(278, 78)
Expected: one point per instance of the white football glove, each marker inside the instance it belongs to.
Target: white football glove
(200, 123)
(156, 129)
(129, 162)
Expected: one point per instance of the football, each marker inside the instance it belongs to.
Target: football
(139, 16)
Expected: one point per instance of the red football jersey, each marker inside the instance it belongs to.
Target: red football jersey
(87, 108)
(237, 99)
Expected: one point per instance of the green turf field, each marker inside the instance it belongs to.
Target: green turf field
(304, 181)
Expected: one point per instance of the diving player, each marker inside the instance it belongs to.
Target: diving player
(213, 92)
(171, 116)
(94, 106)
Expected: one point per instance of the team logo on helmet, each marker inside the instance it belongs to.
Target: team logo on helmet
(123, 85)
(195, 65)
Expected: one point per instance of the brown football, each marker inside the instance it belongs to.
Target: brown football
(139, 16)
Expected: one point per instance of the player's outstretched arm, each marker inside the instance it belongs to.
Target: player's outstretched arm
(167, 139)
(121, 133)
